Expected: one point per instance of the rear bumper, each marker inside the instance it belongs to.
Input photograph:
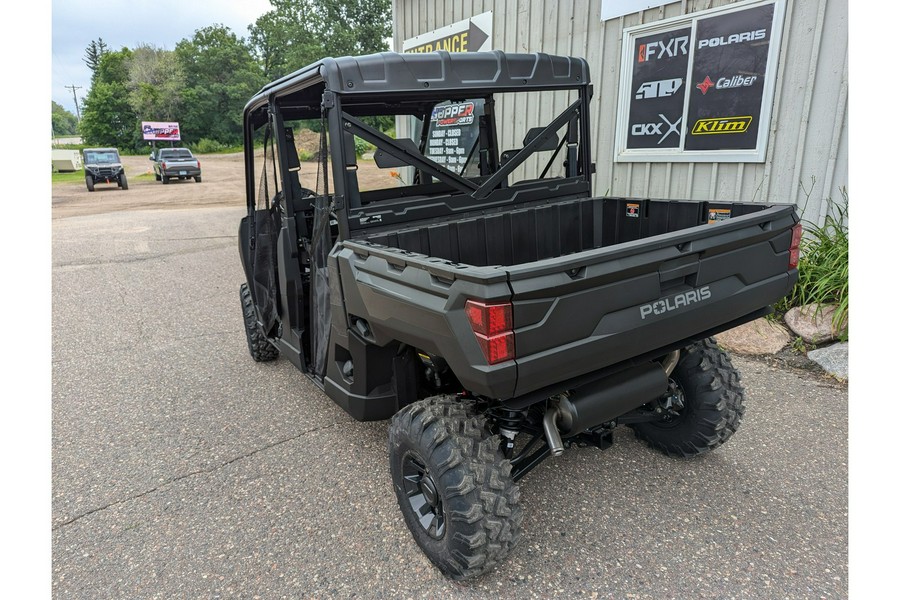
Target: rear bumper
(185, 171)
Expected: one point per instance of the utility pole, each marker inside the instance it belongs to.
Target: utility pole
(74, 97)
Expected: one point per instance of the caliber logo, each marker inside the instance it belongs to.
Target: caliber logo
(658, 89)
(722, 125)
(724, 83)
(656, 128)
(453, 114)
(734, 38)
(669, 304)
(674, 47)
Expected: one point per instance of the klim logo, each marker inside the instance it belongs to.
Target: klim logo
(734, 38)
(669, 304)
(658, 89)
(722, 125)
(453, 114)
(724, 83)
(654, 50)
(640, 129)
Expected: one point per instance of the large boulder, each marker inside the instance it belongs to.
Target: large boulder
(815, 327)
(756, 337)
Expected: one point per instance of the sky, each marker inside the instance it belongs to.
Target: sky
(161, 23)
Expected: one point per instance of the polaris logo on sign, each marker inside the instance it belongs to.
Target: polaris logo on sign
(735, 38)
(669, 304)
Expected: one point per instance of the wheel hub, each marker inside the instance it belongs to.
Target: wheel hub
(423, 496)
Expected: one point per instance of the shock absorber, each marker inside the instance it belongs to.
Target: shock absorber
(510, 423)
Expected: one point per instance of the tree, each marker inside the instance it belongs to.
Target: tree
(62, 121)
(298, 32)
(93, 53)
(155, 83)
(107, 117)
(221, 75)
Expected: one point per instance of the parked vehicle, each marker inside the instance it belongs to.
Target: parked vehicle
(175, 163)
(103, 165)
(490, 306)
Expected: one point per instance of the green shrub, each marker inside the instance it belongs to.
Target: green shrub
(361, 146)
(207, 146)
(824, 268)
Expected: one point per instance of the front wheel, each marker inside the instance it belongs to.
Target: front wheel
(89, 182)
(123, 181)
(455, 489)
(708, 388)
(261, 349)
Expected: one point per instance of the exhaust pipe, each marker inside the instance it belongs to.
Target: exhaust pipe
(551, 431)
(604, 400)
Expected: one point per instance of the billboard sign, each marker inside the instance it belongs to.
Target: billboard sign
(158, 130)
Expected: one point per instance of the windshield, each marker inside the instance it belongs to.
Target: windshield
(175, 154)
(100, 156)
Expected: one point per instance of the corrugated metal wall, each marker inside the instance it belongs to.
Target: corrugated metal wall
(807, 152)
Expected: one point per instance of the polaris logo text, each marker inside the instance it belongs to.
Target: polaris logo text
(734, 38)
(722, 125)
(669, 304)
(658, 89)
(454, 114)
(671, 49)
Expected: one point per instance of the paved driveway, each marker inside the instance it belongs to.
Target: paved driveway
(182, 469)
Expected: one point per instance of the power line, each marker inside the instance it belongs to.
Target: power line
(73, 88)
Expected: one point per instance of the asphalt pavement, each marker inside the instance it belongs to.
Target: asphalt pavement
(183, 469)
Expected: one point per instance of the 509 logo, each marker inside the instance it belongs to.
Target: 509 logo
(453, 114)
(658, 89)
(641, 129)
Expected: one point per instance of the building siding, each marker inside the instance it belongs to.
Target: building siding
(806, 158)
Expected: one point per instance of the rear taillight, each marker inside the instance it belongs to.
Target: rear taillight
(198, 164)
(796, 236)
(164, 165)
(492, 325)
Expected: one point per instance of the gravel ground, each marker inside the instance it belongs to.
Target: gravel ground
(182, 469)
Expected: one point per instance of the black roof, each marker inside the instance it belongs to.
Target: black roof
(432, 72)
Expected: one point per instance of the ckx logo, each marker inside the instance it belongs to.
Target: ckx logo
(671, 49)
(658, 89)
(656, 128)
(734, 38)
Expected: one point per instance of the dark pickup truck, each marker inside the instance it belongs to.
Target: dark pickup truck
(468, 285)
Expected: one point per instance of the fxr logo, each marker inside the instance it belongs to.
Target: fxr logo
(660, 49)
(658, 89)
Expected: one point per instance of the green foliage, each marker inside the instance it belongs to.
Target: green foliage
(824, 269)
(155, 82)
(108, 118)
(62, 121)
(207, 146)
(93, 53)
(361, 146)
(296, 33)
(221, 76)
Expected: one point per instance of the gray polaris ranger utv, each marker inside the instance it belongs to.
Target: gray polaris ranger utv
(469, 287)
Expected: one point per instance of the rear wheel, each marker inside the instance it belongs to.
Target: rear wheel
(165, 179)
(157, 176)
(197, 179)
(454, 487)
(260, 348)
(123, 181)
(708, 387)
(89, 181)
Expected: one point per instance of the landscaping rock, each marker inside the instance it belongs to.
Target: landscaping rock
(834, 359)
(756, 337)
(813, 328)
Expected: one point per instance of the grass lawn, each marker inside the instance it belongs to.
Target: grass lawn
(78, 177)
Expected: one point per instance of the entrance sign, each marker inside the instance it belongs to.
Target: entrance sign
(468, 35)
